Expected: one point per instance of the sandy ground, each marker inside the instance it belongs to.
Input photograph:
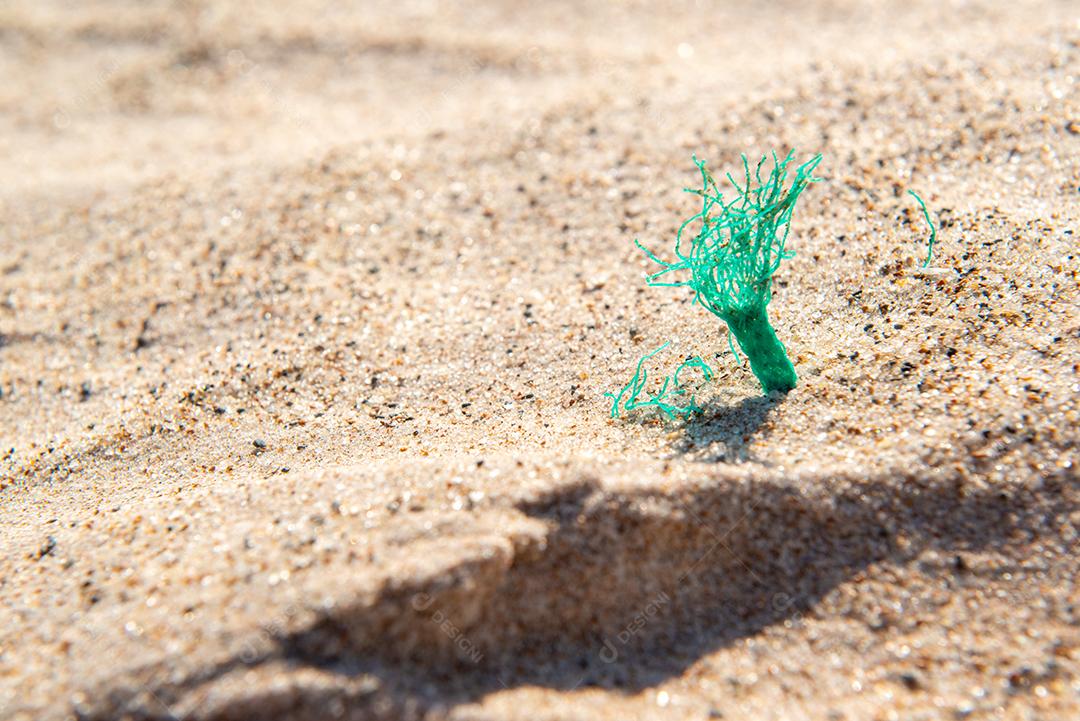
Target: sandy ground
(306, 313)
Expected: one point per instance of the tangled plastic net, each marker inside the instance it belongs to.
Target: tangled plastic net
(733, 255)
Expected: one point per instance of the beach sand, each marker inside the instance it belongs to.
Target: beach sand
(306, 314)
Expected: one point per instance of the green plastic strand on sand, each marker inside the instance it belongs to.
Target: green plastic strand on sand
(668, 398)
(734, 254)
(933, 229)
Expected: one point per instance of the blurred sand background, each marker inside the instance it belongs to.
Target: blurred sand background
(306, 310)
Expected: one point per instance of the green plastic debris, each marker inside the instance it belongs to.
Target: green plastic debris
(933, 229)
(733, 256)
(671, 399)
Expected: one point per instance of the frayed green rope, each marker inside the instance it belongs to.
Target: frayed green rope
(933, 229)
(733, 256)
(668, 400)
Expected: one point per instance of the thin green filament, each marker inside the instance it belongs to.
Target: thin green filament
(671, 399)
(933, 229)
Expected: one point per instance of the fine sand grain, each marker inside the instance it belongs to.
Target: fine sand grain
(306, 313)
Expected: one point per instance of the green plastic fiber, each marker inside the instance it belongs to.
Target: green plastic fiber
(671, 399)
(733, 256)
(933, 229)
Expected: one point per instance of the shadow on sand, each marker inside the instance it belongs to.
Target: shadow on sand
(632, 588)
(723, 432)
